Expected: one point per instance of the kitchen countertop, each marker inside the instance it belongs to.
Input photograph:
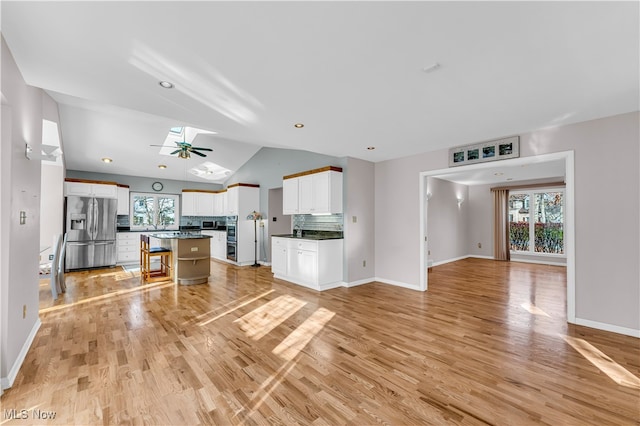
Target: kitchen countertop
(313, 237)
(179, 235)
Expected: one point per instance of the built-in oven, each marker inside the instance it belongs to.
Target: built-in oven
(232, 228)
(232, 238)
(232, 251)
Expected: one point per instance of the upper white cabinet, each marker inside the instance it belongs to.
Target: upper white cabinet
(197, 203)
(91, 189)
(313, 192)
(220, 203)
(242, 199)
(290, 196)
(123, 200)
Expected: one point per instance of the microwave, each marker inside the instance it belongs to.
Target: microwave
(208, 224)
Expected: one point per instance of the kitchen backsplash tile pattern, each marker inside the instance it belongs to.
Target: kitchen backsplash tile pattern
(309, 222)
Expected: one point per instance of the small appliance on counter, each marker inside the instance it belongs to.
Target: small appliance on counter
(214, 225)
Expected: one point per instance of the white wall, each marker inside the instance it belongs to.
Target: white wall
(20, 185)
(607, 168)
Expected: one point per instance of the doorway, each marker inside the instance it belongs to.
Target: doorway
(569, 238)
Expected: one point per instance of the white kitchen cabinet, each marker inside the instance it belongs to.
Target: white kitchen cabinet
(123, 200)
(220, 203)
(197, 203)
(218, 244)
(315, 192)
(128, 247)
(316, 264)
(279, 256)
(87, 189)
(242, 200)
(290, 196)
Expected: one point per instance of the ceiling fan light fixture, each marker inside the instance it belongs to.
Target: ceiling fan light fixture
(184, 154)
(166, 84)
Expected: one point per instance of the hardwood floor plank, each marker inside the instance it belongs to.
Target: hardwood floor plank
(487, 344)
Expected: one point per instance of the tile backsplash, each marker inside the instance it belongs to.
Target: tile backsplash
(309, 222)
(197, 220)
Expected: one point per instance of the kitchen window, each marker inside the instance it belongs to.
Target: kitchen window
(536, 222)
(154, 211)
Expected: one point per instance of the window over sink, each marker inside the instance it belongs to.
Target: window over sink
(154, 211)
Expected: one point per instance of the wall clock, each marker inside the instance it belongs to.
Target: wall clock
(157, 186)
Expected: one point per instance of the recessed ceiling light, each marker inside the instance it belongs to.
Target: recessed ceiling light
(498, 174)
(371, 148)
(298, 125)
(509, 178)
(166, 84)
(107, 160)
(162, 166)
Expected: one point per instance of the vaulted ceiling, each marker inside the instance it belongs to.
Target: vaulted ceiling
(403, 77)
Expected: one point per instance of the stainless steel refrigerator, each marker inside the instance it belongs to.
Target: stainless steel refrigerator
(91, 232)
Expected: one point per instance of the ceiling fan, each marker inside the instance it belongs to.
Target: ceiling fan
(185, 149)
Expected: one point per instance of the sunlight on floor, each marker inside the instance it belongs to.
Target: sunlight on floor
(238, 306)
(615, 371)
(533, 309)
(298, 339)
(262, 320)
(142, 288)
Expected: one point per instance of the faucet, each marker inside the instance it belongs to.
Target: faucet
(297, 230)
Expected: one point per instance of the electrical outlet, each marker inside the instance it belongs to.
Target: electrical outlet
(429, 252)
(364, 263)
(355, 219)
(50, 257)
(479, 245)
(24, 311)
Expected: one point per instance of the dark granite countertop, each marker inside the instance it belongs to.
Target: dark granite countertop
(314, 236)
(179, 235)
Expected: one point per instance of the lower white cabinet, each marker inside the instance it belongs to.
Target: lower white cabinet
(218, 244)
(128, 247)
(315, 264)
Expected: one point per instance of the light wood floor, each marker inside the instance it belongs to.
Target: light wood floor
(487, 344)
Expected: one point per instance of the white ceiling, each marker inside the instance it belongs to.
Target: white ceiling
(352, 72)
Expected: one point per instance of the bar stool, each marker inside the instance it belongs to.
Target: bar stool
(146, 254)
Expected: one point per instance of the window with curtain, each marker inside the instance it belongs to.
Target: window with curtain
(536, 221)
(158, 211)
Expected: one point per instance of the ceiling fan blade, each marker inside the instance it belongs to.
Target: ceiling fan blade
(201, 149)
(161, 146)
(176, 151)
(197, 153)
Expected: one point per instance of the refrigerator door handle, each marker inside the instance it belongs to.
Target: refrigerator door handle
(95, 219)
(105, 243)
(70, 243)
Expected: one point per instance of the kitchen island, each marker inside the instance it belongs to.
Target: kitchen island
(191, 255)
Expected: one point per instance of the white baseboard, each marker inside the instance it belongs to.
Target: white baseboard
(359, 282)
(7, 382)
(455, 259)
(477, 256)
(397, 283)
(608, 327)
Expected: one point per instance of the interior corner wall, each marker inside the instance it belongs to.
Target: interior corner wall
(20, 291)
(606, 163)
(359, 254)
(480, 223)
(447, 229)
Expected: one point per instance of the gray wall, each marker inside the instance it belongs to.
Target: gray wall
(143, 184)
(22, 114)
(360, 235)
(607, 251)
(447, 223)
